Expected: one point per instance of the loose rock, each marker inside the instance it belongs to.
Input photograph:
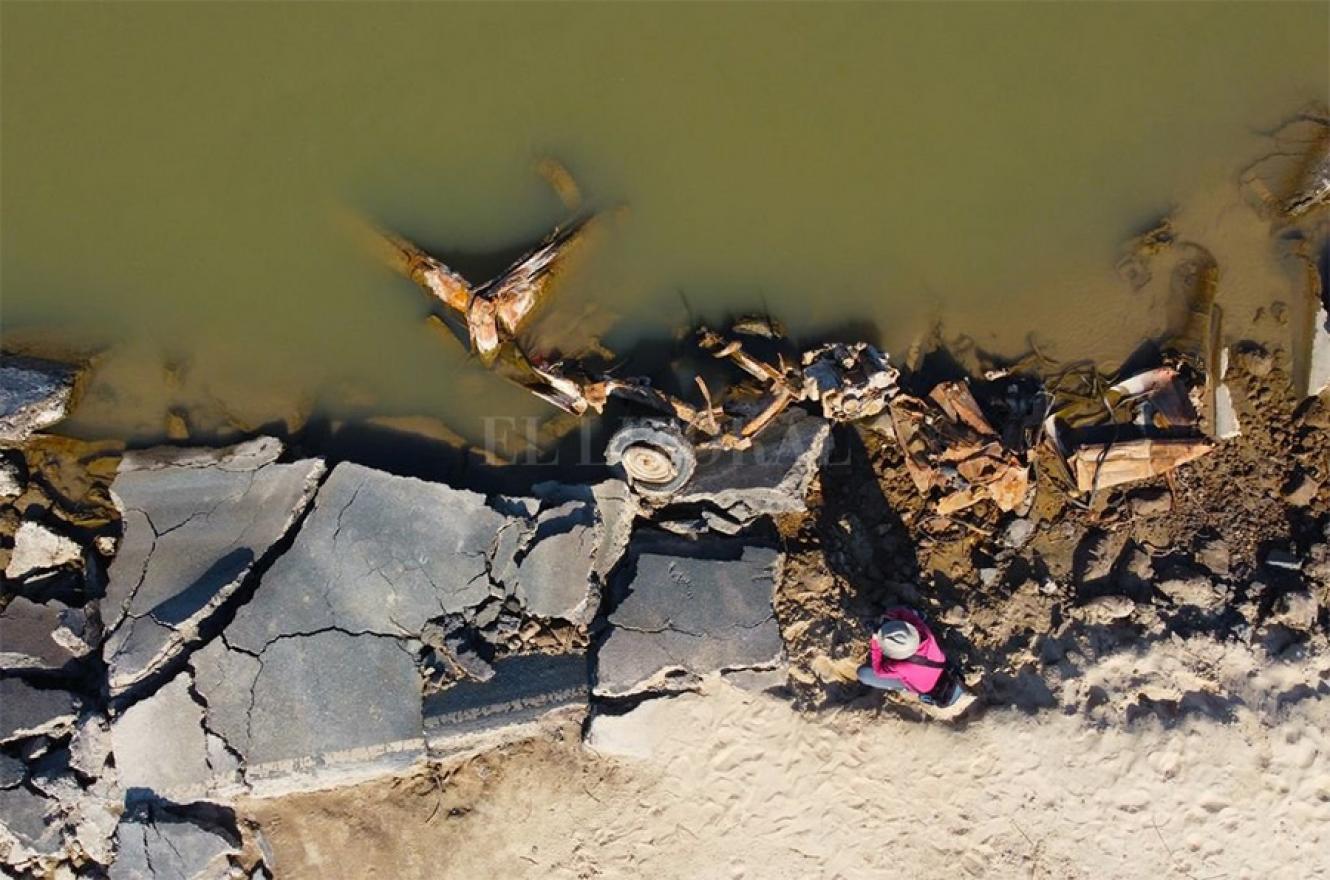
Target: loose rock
(34, 394)
(26, 710)
(38, 548)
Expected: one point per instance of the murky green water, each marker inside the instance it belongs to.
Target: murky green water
(172, 173)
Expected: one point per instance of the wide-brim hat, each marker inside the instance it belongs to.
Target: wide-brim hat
(899, 639)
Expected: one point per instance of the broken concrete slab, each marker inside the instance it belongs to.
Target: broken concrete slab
(46, 636)
(320, 677)
(160, 745)
(554, 577)
(27, 710)
(769, 478)
(330, 707)
(30, 825)
(39, 548)
(34, 394)
(378, 554)
(689, 608)
(12, 771)
(164, 845)
(524, 690)
(195, 524)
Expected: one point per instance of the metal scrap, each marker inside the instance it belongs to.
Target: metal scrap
(953, 452)
(1104, 434)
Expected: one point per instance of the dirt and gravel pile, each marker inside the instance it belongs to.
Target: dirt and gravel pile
(1219, 549)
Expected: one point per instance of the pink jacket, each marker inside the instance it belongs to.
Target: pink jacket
(918, 678)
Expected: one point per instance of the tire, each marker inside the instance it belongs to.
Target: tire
(653, 455)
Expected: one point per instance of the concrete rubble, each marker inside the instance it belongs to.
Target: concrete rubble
(686, 609)
(320, 677)
(38, 548)
(34, 394)
(158, 843)
(731, 489)
(28, 710)
(45, 637)
(195, 523)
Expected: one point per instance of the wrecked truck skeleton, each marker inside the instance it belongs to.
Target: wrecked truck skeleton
(850, 381)
(951, 450)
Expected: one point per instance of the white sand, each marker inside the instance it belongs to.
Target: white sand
(732, 784)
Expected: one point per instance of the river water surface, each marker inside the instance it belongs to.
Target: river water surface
(173, 175)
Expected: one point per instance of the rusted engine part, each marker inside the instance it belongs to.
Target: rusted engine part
(1105, 432)
(953, 453)
(850, 381)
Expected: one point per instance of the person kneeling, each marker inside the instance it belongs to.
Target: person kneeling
(906, 657)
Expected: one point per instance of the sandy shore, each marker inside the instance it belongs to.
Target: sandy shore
(732, 784)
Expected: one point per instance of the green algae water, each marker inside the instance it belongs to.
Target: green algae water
(173, 175)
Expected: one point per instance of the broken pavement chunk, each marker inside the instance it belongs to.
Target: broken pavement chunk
(160, 745)
(30, 826)
(26, 710)
(771, 477)
(378, 554)
(689, 608)
(34, 394)
(524, 689)
(195, 524)
(45, 637)
(38, 548)
(160, 844)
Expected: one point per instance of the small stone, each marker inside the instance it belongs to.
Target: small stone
(988, 576)
(1050, 588)
(1017, 533)
(1103, 609)
(1296, 610)
(1150, 502)
(11, 480)
(37, 548)
(1301, 490)
(1279, 557)
(1214, 554)
(955, 616)
(105, 545)
(1194, 589)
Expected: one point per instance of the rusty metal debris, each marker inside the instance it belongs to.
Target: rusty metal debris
(1101, 432)
(1105, 433)
(953, 453)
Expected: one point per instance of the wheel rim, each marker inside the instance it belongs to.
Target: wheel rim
(648, 464)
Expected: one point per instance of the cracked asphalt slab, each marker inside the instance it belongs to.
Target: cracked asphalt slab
(319, 676)
(196, 522)
(688, 609)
